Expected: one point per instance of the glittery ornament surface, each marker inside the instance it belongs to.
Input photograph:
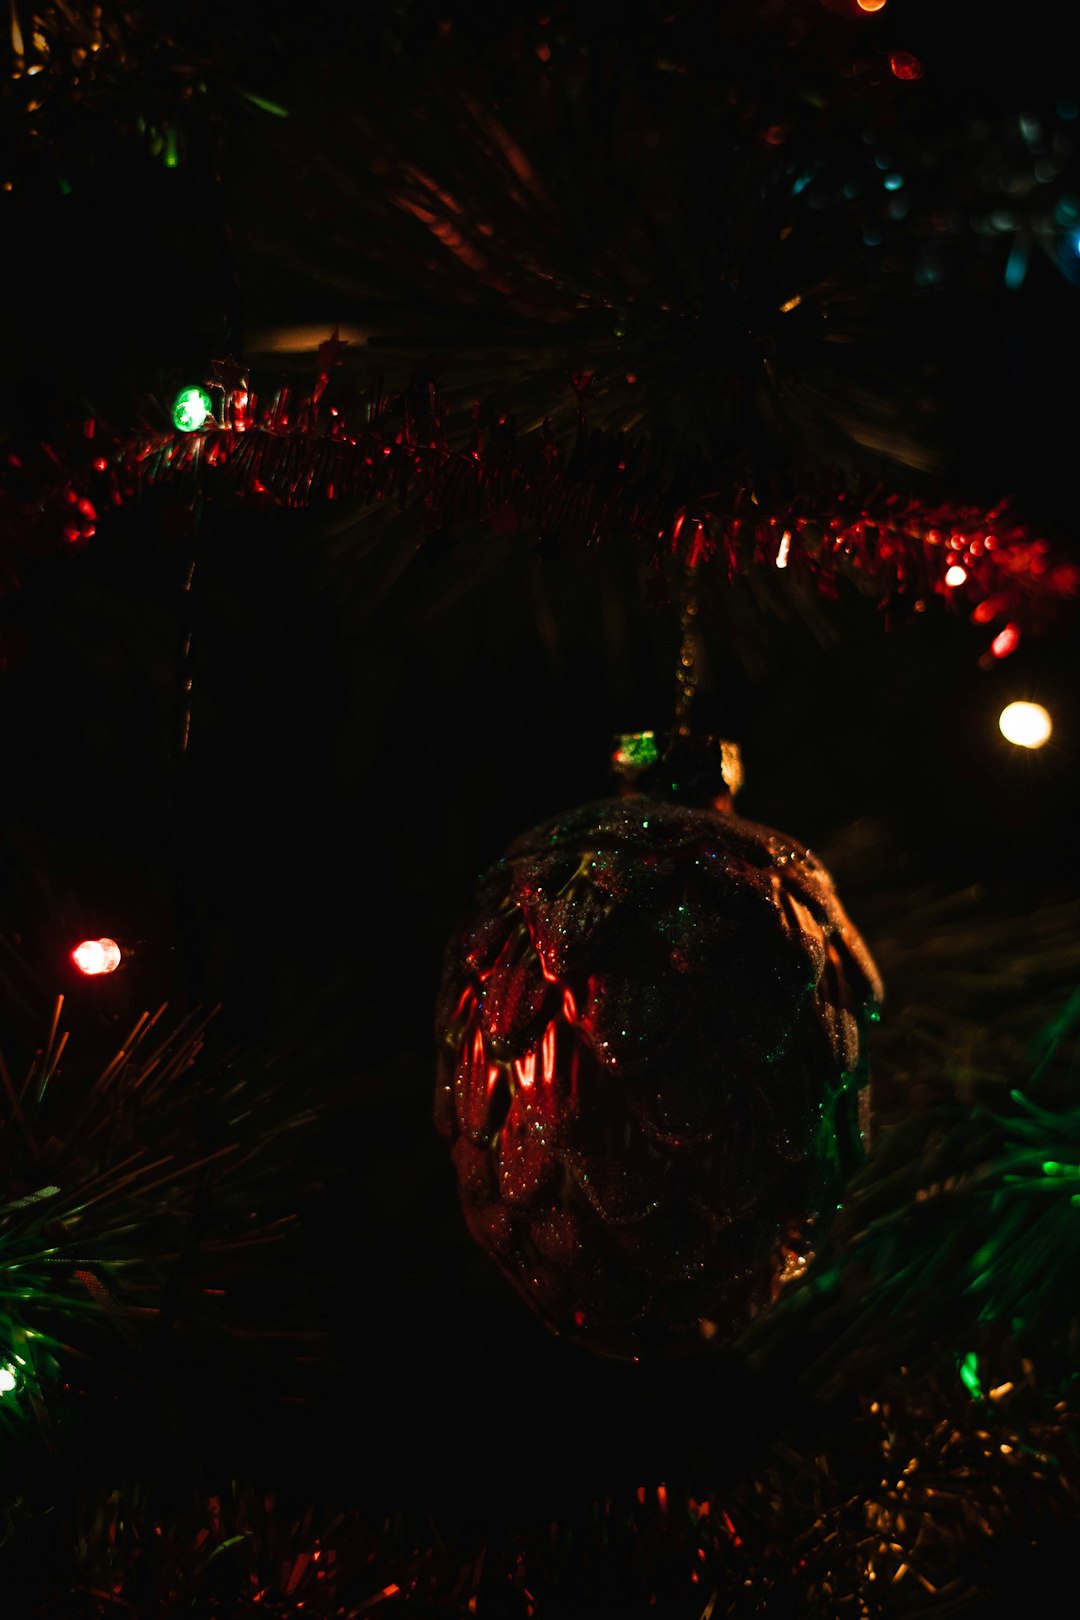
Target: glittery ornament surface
(649, 1057)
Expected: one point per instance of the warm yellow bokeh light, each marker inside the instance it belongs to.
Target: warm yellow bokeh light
(871, 5)
(1028, 725)
(301, 339)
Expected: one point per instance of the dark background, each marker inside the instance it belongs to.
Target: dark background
(358, 757)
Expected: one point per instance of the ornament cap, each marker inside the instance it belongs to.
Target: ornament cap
(699, 770)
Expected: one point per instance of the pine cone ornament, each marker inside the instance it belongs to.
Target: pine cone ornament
(650, 1047)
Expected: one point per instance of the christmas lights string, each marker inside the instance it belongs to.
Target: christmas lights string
(983, 1441)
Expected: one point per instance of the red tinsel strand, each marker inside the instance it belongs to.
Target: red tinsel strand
(896, 548)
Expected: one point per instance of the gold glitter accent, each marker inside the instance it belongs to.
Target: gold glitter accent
(686, 669)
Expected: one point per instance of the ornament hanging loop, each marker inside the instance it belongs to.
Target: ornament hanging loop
(683, 764)
(672, 765)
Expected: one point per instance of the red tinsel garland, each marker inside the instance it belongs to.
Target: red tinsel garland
(894, 547)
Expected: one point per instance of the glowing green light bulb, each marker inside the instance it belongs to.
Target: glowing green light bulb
(969, 1372)
(637, 748)
(190, 409)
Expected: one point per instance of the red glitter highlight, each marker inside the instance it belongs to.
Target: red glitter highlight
(699, 546)
(1006, 642)
(547, 1052)
(552, 978)
(525, 1069)
(463, 1000)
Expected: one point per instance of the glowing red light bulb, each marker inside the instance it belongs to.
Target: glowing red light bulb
(905, 65)
(95, 956)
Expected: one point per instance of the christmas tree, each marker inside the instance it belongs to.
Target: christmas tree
(404, 402)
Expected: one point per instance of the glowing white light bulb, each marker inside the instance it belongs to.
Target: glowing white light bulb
(955, 575)
(7, 1379)
(96, 956)
(1028, 725)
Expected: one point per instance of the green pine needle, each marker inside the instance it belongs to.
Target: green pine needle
(117, 1188)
